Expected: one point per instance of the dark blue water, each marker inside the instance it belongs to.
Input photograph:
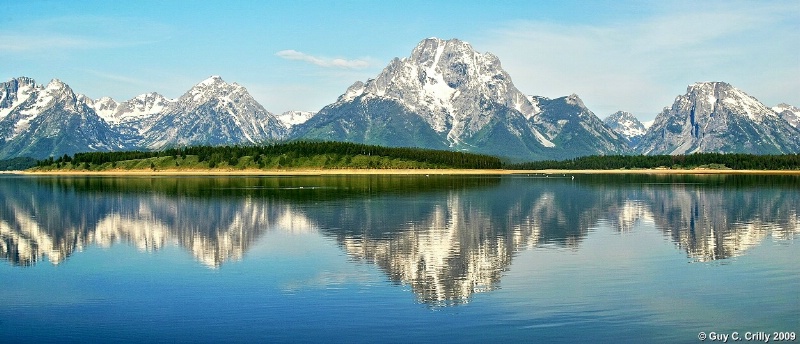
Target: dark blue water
(397, 258)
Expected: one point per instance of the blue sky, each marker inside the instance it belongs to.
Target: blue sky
(301, 55)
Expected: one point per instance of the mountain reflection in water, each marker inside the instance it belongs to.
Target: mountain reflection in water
(446, 237)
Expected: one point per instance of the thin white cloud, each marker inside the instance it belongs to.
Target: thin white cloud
(62, 34)
(321, 61)
(35, 43)
(115, 77)
(21, 43)
(641, 64)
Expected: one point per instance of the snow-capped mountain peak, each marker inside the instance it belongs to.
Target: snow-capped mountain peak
(207, 88)
(445, 81)
(573, 99)
(213, 88)
(626, 124)
(446, 95)
(355, 90)
(55, 92)
(59, 90)
(55, 85)
(212, 112)
(717, 117)
(720, 94)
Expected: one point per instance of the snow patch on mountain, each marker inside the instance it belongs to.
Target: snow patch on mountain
(292, 118)
(141, 107)
(103, 107)
(15, 93)
(789, 113)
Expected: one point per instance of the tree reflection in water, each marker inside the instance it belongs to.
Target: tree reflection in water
(447, 237)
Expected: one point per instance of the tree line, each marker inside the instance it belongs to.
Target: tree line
(290, 154)
(329, 154)
(735, 161)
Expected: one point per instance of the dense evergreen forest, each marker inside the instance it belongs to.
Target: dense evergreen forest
(291, 155)
(691, 161)
(344, 155)
(16, 164)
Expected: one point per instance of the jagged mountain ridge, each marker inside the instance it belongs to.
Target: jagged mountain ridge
(40, 121)
(445, 95)
(139, 108)
(213, 112)
(568, 123)
(717, 117)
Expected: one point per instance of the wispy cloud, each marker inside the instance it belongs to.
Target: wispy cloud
(20, 43)
(322, 61)
(115, 77)
(641, 64)
(62, 34)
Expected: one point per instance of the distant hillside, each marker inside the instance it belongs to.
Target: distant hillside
(292, 155)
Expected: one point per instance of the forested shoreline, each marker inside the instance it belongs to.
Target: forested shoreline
(719, 161)
(291, 155)
(344, 155)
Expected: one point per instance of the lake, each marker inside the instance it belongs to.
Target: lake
(382, 258)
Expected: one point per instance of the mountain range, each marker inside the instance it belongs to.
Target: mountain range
(717, 117)
(445, 95)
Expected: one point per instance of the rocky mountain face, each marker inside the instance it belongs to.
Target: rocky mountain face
(574, 129)
(213, 112)
(625, 124)
(716, 117)
(40, 121)
(448, 96)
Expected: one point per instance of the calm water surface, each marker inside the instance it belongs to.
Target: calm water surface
(397, 258)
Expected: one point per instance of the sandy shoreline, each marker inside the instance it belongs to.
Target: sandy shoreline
(392, 172)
